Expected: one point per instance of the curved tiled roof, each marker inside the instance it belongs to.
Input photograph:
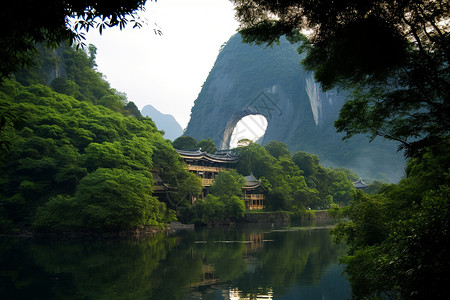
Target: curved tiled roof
(251, 181)
(227, 157)
(360, 184)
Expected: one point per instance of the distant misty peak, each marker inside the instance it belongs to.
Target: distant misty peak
(164, 122)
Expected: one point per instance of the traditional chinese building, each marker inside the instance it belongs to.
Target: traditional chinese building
(207, 166)
(360, 184)
(253, 193)
(160, 188)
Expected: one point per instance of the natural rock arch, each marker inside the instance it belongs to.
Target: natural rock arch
(248, 80)
(232, 123)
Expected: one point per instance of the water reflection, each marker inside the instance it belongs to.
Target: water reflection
(235, 294)
(225, 263)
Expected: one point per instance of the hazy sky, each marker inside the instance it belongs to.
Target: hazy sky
(166, 71)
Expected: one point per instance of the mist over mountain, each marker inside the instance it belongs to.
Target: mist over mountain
(250, 79)
(164, 122)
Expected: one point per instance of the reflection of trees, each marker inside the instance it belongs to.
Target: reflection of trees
(260, 261)
(291, 257)
(223, 251)
(18, 274)
(164, 267)
(106, 268)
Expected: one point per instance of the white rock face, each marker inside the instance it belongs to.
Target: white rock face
(317, 99)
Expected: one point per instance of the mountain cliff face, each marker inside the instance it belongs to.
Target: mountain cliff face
(270, 81)
(164, 122)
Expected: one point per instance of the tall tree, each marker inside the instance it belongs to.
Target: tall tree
(223, 201)
(207, 146)
(393, 55)
(25, 24)
(277, 149)
(185, 142)
(228, 183)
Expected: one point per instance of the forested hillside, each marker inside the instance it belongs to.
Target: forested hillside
(73, 73)
(76, 154)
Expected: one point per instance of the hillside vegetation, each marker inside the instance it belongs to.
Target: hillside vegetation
(76, 154)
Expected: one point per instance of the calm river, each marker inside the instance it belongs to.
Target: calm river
(221, 263)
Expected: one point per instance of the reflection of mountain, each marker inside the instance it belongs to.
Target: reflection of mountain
(164, 122)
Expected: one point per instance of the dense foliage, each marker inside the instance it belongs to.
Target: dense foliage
(223, 202)
(68, 72)
(79, 160)
(188, 187)
(184, 143)
(74, 73)
(296, 182)
(399, 236)
(77, 163)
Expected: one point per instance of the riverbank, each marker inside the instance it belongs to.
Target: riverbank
(172, 227)
(279, 218)
(284, 218)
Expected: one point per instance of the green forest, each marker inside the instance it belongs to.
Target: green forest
(78, 156)
(398, 235)
(295, 182)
